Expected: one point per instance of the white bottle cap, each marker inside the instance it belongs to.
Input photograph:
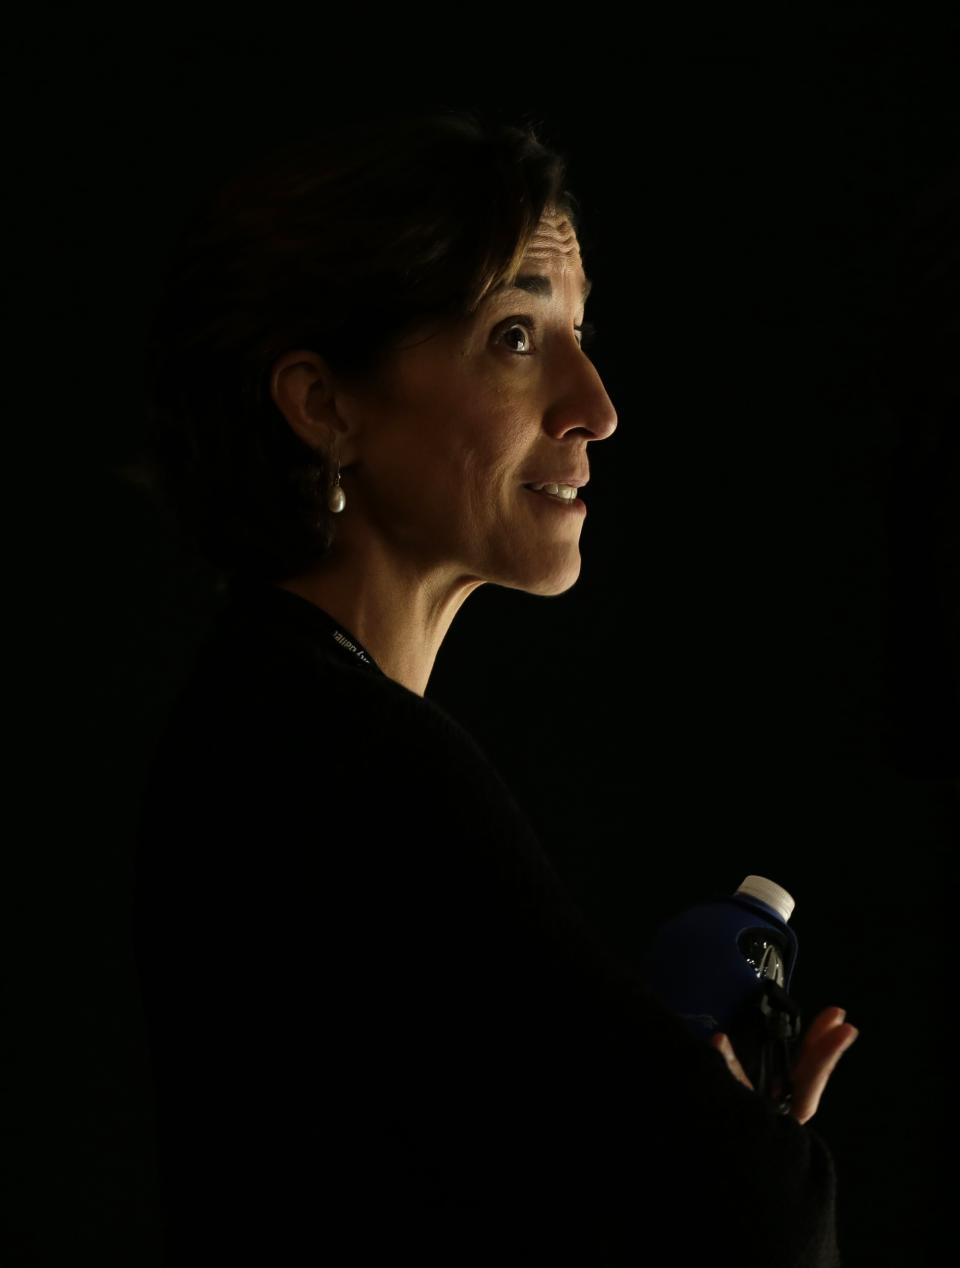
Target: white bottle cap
(769, 892)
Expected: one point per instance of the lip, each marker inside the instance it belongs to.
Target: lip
(577, 481)
(564, 507)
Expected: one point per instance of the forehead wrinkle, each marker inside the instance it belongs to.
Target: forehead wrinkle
(551, 237)
(554, 239)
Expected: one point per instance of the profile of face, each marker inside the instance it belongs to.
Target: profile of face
(436, 453)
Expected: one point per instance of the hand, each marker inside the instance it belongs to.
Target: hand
(822, 1045)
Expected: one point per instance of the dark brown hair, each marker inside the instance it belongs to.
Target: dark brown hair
(344, 241)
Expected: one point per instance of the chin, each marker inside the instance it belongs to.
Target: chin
(559, 581)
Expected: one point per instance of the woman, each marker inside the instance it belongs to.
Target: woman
(374, 1013)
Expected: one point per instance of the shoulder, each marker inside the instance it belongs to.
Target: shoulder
(268, 711)
(261, 675)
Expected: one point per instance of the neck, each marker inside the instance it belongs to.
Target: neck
(399, 610)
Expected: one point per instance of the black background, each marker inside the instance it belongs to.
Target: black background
(758, 670)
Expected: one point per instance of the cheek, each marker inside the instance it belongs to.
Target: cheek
(488, 461)
(467, 432)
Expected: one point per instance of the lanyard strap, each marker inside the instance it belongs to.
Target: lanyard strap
(349, 644)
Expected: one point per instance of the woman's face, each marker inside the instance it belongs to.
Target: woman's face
(443, 444)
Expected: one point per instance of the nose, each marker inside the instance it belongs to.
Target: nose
(606, 413)
(588, 408)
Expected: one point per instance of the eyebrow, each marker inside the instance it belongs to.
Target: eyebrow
(539, 285)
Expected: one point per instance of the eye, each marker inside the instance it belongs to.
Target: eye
(587, 331)
(526, 324)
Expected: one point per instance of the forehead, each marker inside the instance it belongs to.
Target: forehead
(552, 261)
(554, 240)
(554, 249)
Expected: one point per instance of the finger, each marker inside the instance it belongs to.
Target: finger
(722, 1043)
(812, 1073)
(824, 1022)
(822, 1047)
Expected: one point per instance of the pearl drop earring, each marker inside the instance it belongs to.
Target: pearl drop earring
(338, 499)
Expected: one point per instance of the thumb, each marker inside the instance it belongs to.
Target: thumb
(721, 1043)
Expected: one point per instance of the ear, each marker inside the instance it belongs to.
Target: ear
(303, 389)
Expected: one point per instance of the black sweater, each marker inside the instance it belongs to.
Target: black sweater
(380, 1027)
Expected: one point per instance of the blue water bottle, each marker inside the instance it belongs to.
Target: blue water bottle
(726, 965)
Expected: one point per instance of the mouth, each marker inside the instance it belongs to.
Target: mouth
(565, 505)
